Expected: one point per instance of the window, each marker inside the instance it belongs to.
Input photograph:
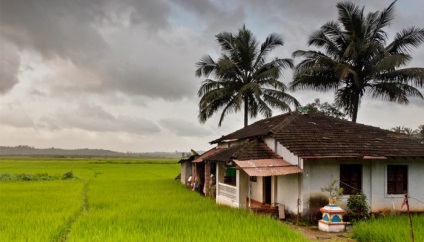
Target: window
(253, 178)
(397, 179)
(230, 176)
(351, 178)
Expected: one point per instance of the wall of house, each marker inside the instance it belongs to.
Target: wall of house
(319, 173)
(185, 172)
(383, 202)
(257, 189)
(287, 191)
(281, 151)
(285, 188)
(242, 188)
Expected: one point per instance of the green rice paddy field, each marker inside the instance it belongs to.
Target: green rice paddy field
(119, 200)
(137, 200)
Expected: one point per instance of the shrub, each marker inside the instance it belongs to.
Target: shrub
(357, 207)
(68, 175)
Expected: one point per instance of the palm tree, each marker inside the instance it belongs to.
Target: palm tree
(357, 60)
(241, 77)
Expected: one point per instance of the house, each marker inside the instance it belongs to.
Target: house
(287, 159)
(186, 167)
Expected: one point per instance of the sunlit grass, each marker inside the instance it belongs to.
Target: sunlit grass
(390, 229)
(37, 211)
(137, 201)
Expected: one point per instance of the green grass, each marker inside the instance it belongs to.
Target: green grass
(37, 211)
(390, 229)
(120, 200)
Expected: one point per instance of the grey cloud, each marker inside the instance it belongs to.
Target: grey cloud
(92, 117)
(14, 114)
(9, 66)
(93, 36)
(185, 128)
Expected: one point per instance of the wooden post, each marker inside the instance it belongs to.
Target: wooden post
(410, 218)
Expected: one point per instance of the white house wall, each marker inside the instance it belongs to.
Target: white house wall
(282, 151)
(287, 193)
(382, 202)
(257, 189)
(319, 173)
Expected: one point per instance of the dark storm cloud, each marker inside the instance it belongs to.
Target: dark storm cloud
(119, 42)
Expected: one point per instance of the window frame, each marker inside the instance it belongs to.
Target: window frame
(395, 181)
(361, 178)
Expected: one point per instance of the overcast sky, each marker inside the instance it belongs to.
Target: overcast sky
(119, 75)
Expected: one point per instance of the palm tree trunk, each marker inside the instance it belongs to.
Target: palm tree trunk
(355, 107)
(246, 110)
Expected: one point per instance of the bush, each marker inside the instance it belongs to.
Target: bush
(357, 208)
(68, 176)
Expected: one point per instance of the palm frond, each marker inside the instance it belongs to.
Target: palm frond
(394, 92)
(383, 20)
(205, 66)
(413, 76)
(406, 39)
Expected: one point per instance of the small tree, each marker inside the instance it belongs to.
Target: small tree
(357, 207)
(324, 108)
(334, 191)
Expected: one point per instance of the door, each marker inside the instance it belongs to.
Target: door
(267, 189)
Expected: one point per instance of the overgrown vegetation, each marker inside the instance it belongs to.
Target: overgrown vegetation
(35, 177)
(357, 208)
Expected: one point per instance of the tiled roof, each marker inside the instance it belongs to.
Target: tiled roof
(257, 129)
(318, 136)
(190, 158)
(246, 151)
(267, 167)
(208, 153)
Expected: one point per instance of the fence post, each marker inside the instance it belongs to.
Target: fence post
(405, 201)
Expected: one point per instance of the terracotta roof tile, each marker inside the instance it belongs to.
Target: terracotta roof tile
(250, 150)
(208, 153)
(314, 135)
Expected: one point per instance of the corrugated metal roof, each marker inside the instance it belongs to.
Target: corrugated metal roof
(207, 154)
(267, 167)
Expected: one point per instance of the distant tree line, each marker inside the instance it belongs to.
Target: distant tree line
(417, 134)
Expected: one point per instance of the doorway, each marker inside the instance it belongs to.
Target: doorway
(267, 189)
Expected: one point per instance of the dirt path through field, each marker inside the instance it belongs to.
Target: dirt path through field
(314, 234)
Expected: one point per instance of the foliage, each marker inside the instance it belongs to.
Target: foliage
(356, 59)
(334, 191)
(389, 229)
(242, 78)
(324, 109)
(68, 176)
(357, 207)
(35, 177)
(417, 134)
